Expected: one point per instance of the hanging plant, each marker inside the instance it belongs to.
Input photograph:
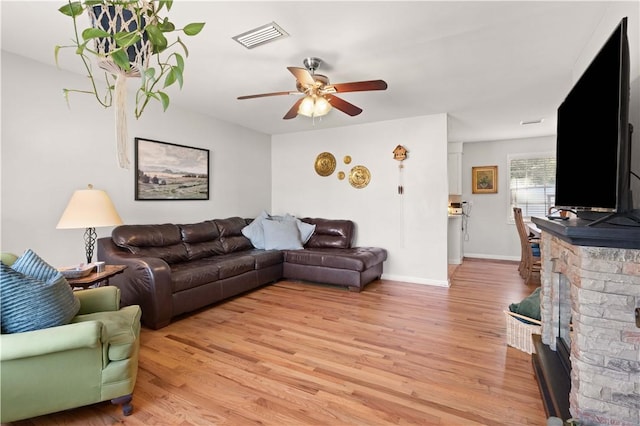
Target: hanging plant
(127, 39)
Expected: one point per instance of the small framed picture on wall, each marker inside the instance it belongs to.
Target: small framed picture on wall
(484, 179)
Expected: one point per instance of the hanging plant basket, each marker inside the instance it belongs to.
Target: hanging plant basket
(115, 19)
(126, 35)
(132, 61)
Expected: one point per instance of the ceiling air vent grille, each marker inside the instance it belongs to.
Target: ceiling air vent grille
(261, 35)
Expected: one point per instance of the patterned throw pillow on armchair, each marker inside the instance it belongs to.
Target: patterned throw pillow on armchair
(34, 295)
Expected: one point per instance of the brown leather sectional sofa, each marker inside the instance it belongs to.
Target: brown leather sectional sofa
(174, 269)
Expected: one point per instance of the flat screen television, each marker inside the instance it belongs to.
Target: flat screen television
(593, 147)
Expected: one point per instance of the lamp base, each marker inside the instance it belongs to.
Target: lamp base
(90, 237)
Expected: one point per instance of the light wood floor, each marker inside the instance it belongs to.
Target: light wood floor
(302, 354)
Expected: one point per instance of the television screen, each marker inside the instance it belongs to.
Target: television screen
(592, 152)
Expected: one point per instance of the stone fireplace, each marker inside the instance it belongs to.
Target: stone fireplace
(596, 290)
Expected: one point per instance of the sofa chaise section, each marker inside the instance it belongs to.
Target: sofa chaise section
(328, 257)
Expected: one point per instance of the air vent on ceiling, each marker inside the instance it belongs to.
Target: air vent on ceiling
(261, 35)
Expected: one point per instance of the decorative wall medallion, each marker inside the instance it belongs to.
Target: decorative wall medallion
(340, 175)
(347, 159)
(325, 164)
(359, 177)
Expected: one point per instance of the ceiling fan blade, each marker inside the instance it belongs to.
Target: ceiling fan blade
(342, 105)
(262, 95)
(293, 112)
(360, 86)
(302, 75)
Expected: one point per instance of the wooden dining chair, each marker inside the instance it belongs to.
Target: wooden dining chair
(529, 266)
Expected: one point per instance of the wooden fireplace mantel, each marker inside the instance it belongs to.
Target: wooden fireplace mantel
(576, 232)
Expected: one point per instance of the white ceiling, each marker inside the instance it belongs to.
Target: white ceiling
(489, 65)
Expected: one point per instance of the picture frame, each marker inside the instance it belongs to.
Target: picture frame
(168, 171)
(484, 180)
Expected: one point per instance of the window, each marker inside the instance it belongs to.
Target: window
(532, 183)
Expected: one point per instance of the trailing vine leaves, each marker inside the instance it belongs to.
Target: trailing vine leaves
(164, 68)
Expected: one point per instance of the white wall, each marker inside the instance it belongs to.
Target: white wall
(488, 232)
(49, 150)
(412, 227)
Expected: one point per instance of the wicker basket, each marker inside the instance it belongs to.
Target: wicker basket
(519, 333)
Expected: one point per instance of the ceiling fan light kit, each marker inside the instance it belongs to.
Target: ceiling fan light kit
(314, 106)
(319, 94)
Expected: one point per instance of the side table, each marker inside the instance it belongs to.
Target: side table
(97, 278)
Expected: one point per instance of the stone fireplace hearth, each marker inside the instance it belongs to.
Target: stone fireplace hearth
(597, 289)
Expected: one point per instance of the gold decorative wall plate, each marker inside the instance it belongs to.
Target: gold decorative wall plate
(340, 175)
(347, 159)
(325, 163)
(359, 177)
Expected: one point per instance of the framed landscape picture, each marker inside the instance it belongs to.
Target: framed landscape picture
(167, 171)
(484, 180)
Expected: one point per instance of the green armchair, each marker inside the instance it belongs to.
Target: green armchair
(92, 359)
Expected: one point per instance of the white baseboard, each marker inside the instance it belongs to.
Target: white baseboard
(491, 256)
(415, 280)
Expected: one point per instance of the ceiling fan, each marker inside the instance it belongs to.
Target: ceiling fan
(319, 94)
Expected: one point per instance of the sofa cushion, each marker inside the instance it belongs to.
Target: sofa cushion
(231, 236)
(330, 233)
(32, 302)
(201, 239)
(199, 232)
(193, 274)
(281, 235)
(354, 259)
(230, 265)
(162, 241)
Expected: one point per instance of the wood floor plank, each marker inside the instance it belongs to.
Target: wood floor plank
(296, 353)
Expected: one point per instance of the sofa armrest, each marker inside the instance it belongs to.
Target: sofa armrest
(99, 299)
(145, 282)
(50, 340)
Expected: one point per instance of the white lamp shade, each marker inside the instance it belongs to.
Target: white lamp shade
(89, 208)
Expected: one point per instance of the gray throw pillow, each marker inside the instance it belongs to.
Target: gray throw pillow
(283, 235)
(255, 232)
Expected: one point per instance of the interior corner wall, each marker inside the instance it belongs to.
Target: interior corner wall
(49, 150)
(488, 233)
(412, 227)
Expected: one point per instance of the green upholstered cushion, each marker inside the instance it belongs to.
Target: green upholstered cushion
(34, 295)
(8, 258)
(529, 306)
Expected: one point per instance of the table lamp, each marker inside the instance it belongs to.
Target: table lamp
(89, 208)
